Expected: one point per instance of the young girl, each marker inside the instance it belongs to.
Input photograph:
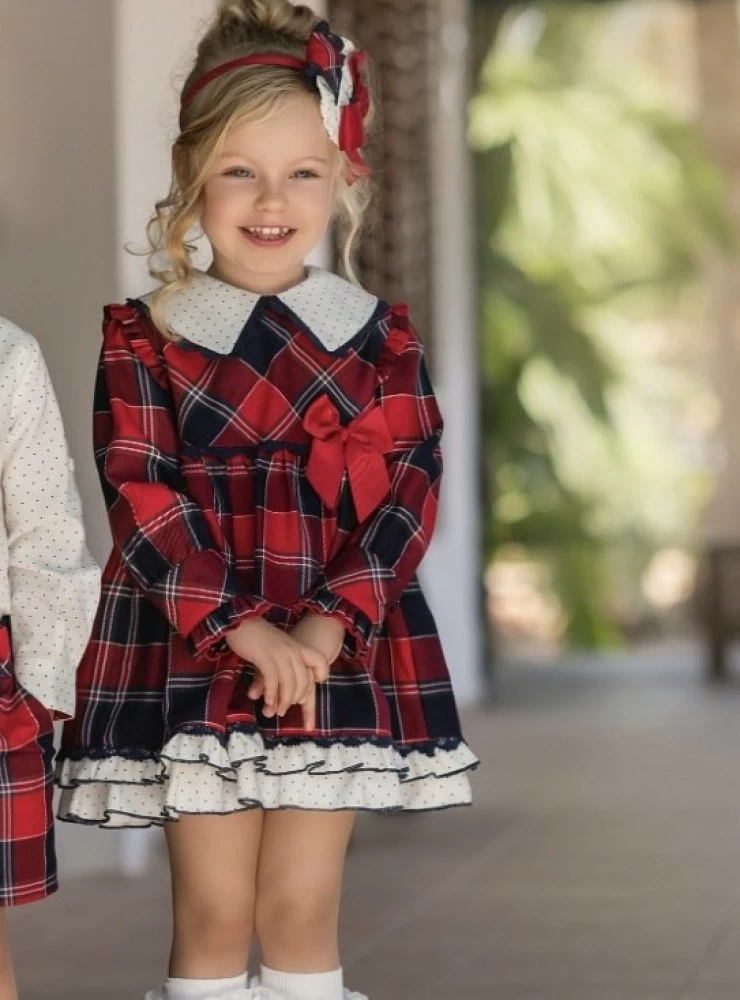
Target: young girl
(263, 664)
(49, 588)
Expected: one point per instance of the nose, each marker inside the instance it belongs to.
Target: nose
(271, 196)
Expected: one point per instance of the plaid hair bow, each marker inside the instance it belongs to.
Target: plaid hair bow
(338, 66)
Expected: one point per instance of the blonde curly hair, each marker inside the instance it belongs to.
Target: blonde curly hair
(252, 94)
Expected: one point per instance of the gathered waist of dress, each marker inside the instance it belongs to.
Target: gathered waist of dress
(245, 450)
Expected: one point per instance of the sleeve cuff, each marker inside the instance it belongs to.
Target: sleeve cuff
(360, 630)
(208, 639)
(50, 682)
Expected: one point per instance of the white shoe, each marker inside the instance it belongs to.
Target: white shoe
(349, 995)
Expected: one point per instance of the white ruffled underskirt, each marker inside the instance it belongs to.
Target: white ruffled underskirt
(197, 773)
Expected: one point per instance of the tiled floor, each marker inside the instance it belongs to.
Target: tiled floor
(602, 861)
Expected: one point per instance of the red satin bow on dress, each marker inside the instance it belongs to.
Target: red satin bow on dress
(359, 448)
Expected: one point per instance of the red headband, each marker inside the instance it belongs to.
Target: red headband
(259, 59)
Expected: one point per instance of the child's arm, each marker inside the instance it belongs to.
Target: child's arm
(54, 582)
(169, 545)
(375, 565)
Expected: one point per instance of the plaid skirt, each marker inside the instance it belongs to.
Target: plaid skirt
(27, 857)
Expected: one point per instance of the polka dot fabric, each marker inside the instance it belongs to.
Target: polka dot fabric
(213, 314)
(198, 774)
(333, 309)
(49, 583)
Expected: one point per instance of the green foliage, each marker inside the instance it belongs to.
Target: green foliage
(597, 201)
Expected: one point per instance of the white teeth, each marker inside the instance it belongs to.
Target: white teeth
(268, 232)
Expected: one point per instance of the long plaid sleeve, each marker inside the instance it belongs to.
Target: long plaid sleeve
(378, 560)
(169, 545)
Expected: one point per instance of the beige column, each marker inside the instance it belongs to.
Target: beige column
(451, 573)
(718, 52)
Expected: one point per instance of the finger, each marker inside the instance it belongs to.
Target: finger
(318, 676)
(317, 662)
(308, 706)
(257, 687)
(271, 683)
(287, 688)
(304, 678)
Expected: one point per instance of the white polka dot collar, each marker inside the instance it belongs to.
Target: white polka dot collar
(212, 313)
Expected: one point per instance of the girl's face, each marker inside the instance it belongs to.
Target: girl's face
(269, 198)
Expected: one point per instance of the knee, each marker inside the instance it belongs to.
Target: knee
(218, 924)
(295, 911)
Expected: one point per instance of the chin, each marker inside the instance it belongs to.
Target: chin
(266, 267)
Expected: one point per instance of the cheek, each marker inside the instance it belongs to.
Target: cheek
(220, 206)
(318, 208)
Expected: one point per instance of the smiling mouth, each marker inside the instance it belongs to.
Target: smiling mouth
(268, 234)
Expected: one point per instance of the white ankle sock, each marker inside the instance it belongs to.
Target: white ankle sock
(202, 989)
(312, 986)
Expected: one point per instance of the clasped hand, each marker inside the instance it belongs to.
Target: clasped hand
(288, 666)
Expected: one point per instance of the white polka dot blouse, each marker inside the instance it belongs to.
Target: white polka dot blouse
(49, 583)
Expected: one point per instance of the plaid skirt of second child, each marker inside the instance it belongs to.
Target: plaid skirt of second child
(27, 855)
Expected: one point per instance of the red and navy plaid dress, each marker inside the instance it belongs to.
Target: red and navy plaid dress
(260, 468)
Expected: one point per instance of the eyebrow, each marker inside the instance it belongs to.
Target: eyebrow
(300, 159)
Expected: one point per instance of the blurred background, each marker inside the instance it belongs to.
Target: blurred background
(558, 199)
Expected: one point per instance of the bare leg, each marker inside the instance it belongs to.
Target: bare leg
(7, 978)
(213, 862)
(299, 886)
